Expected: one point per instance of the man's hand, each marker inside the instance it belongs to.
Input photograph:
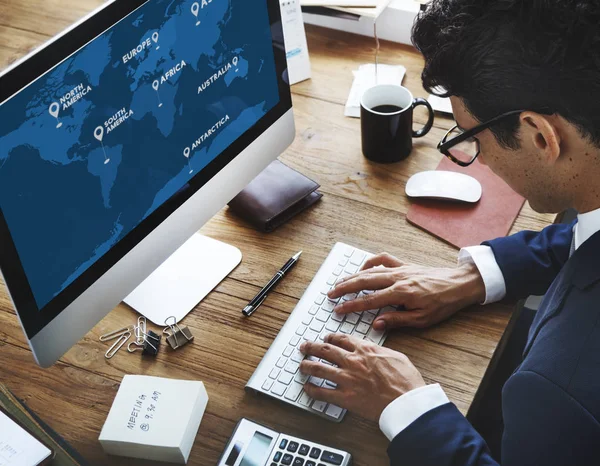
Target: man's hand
(368, 377)
(428, 295)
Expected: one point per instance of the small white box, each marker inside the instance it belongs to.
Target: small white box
(154, 418)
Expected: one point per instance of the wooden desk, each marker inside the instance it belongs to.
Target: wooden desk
(363, 205)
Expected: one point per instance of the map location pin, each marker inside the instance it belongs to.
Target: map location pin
(195, 11)
(99, 133)
(54, 111)
(186, 152)
(235, 62)
(155, 85)
(155, 39)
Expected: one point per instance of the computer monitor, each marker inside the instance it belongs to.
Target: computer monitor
(119, 139)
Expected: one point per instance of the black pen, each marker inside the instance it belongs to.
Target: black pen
(262, 295)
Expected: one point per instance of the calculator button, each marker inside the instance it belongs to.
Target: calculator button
(279, 454)
(282, 445)
(287, 459)
(292, 447)
(298, 462)
(315, 453)
(304, 449)
(332, 458)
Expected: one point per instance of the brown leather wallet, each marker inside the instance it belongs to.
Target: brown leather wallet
(275, 196)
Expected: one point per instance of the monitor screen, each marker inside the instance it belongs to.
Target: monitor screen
(102, 146)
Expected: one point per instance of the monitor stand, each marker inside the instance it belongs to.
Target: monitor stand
(184, 279)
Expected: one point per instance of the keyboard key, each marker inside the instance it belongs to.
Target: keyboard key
(329, 383)
(309, 463)
(331, 280)
(334, 411)
(357, 258)
(316, 381)
(297, 356)
(274, 373)
(287, 352)
(300, 330)
(325, 290)
(305, 400)
(282, 446)
(315, 453)
(347, 328)
(294, 391)
(334, 326)
(350, 268)
(311, 335)
(322, 316)
(373, 311)
(328, 306)
(332, 458)
(287, 459)
(298, 462)
(267, 385)
(387, 310)
(348, 251)
(307, 319)
(303, 450)
(319, 406)
(292, 367)
(295, 340)
(362, 328)
(367, 318)
(353, 318)
(319, 299)
(313, 309)
(301, 378)
(343, 262)
(286, 378)
(337, 317)
(317, 326)
(293, 447)
(375, 336)
(278, 389)
(349, 296)
(281, 362)
(337, 271)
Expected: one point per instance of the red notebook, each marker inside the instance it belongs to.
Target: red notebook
(462, 224)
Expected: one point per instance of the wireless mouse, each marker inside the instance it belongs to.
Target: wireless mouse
(445, 185)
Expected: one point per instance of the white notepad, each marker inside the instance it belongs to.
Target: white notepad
(365, 78)
(18, 447)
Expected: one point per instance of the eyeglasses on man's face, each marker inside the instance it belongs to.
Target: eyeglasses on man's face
(462, 147)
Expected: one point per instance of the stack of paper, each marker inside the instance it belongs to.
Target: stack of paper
(368, 76)
(367, 8)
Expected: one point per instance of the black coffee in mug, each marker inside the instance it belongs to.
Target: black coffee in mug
(387, 123)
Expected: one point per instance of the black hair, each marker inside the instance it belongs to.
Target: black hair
(503, 55)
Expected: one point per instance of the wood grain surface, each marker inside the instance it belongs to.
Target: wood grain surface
(364, 205)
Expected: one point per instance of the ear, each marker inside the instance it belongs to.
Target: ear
(543, 134)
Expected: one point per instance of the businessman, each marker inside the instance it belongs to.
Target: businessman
(524, 80)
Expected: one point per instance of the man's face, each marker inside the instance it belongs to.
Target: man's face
(523, 169)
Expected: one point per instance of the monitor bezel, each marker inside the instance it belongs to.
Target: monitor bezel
(47, 57)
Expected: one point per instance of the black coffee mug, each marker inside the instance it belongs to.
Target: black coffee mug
(386, 115)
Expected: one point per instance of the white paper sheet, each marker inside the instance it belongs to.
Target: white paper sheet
(366, 78)
(296, 48)
(17, 446)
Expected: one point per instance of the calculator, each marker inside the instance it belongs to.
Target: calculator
(254, 445)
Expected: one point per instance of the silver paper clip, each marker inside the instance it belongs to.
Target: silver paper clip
(116, 333)
(179, 336)
(140, 330)
(117, 345)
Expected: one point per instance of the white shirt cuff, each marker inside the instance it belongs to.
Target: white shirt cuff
(483, 257)
(406, 409)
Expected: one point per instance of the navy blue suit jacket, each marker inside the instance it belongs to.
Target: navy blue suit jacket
(551, 403)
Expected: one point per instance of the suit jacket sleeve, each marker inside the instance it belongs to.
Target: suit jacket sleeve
(544, 425)
(530, 261)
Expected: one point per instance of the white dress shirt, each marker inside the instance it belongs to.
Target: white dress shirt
(406, 409)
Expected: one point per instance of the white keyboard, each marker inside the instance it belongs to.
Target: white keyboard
(278, 373)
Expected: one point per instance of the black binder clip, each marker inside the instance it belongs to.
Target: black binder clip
(149, 346)
(177, 337)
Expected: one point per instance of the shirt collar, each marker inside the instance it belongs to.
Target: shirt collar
(587, 225)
